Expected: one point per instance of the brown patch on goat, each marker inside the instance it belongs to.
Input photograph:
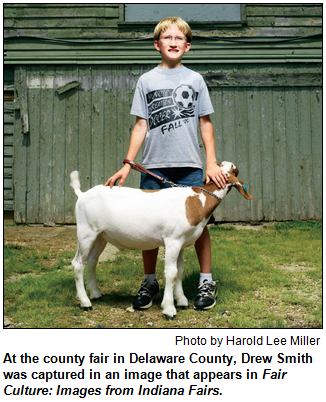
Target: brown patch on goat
(196, 211)
(150, 191)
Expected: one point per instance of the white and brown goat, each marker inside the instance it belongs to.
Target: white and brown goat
(143, 220)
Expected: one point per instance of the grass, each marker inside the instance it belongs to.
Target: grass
(267, 278)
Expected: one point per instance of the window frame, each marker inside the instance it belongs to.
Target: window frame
(194, 24)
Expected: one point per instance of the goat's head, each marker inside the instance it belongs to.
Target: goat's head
(232, 172)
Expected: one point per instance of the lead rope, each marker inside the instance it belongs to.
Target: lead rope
(141, 169)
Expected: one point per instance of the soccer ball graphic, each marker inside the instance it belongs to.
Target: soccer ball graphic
(184, 97)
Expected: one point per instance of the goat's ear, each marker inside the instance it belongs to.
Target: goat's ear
(235, 171)
(243, 190)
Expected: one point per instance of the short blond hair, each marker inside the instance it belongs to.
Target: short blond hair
(164, 24)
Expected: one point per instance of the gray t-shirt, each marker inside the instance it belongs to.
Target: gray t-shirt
(171, 100)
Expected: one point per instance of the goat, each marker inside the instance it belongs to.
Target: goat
(143, 220)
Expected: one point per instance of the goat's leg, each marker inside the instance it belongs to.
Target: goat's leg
(179, 296)
(172, 252)
(85, 243)
(78, 264)
(96, 251)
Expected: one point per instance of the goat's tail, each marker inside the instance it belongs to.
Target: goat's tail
(75, 184)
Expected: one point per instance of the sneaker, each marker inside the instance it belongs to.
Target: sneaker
(206, 297)
(143, 299)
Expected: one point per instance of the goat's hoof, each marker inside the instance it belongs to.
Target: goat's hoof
(183, 307)
(88, 308)
(169, 317)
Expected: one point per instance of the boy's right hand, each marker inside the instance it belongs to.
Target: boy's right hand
(136, 141)
(121, 175)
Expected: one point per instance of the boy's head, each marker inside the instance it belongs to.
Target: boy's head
(164, 24)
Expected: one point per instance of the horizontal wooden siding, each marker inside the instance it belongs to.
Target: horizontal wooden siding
(89, 21)
(92, 26)
(8, 139)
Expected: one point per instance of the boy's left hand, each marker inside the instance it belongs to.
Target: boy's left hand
(217, 175)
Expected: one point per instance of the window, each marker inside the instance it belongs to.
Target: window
(152, 13)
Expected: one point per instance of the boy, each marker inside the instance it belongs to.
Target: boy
(168, 102)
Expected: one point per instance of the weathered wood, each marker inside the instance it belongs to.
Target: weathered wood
(46, 145)
(54, 23)
(8, 118)
(316, 122)
(292, 153)
(20, 171)
(85, 134)
(305, 147)
(263, 79)
(59, 157)
(68, 87)
(58, 10)
(267, 159)
(8, 128)
(226, 144)
(22, 98)
(110, 105)
(255, 128)
(266, 96)
(87, 20)
(137, 55)
(8, 107)
(8, 139)
(298, 21)
(286, 10)
(86, 33)
(34, 150)
(280, 157)
(254, 152)
(8, 196)
(7, 161)
(71, 131)
(8, 96)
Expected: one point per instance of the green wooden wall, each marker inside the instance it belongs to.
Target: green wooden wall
(72, 103)
(272, 133)
(100, 21)
(96, 28)
(8, 139)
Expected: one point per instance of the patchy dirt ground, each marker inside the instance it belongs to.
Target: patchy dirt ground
(49, 239)
(60, 238)
(57, 237)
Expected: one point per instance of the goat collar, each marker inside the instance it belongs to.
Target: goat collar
(141, 169)
(200, 188)
(210, 193)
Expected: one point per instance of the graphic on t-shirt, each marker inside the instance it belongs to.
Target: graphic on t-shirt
(168, 105)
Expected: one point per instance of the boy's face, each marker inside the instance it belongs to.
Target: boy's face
(172, 45)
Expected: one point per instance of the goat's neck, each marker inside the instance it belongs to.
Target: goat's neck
(219, 192)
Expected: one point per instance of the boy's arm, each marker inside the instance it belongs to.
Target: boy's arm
(136, 140)
(213, 172)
